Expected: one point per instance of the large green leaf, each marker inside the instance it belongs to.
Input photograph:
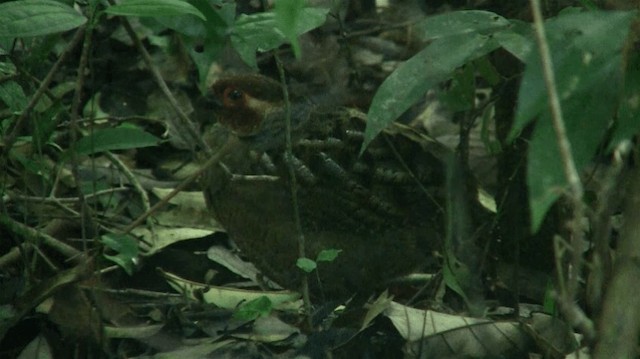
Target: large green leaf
(114, 139)
(411, 80)
(587, 62)
(27, 18)
(460, 22)
(260, 32)
(153, 8)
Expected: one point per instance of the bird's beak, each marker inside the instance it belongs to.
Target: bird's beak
(206, 109)
(211, 102)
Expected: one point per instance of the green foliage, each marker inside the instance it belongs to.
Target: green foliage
(211, 25)
(210, 35)
(197, 21)
(289, 13)
(325, 255)
(13, 96)
(594, 60)
(459, 23)
(328, 255)
(306, 264)
(587, 59)
(126, 248)
(114, 139)
(253, 309)
(153, 8)
(37, 17)
(461, 94)
(598, 81)
(456, 41)
(263, 32)
(587, 50)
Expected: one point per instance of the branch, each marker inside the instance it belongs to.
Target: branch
(568, 164)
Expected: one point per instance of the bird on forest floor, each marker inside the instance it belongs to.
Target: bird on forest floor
(379, 208)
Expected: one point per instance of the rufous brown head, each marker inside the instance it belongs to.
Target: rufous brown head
(245, 101)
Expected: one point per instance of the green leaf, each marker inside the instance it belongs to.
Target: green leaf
(8, 69)
(153, 8)
(408, 84)
(578, 43)
(253, 309)
(37, 17)
(288, 15)
(12, 95)
(217, 20)
(114, 139)
(184, 24)
(219, 16)
(587, 62)
(453, 272)
(460, 22)
(461, 94)
(260, 32)
(328, 255)
(518, 39)
(125, 246)
(306, 264)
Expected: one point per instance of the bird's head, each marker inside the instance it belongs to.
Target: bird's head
(245, 101)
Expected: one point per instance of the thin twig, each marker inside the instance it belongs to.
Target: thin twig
(74, 129)
(294, 190)
(608, 200)
(61, 200)
(568, 164)
(133, 180)
(144, 196)
(404, 165)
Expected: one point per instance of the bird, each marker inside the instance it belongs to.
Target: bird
(380, 209)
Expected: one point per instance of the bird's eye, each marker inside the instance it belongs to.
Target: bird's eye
(233, 94)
